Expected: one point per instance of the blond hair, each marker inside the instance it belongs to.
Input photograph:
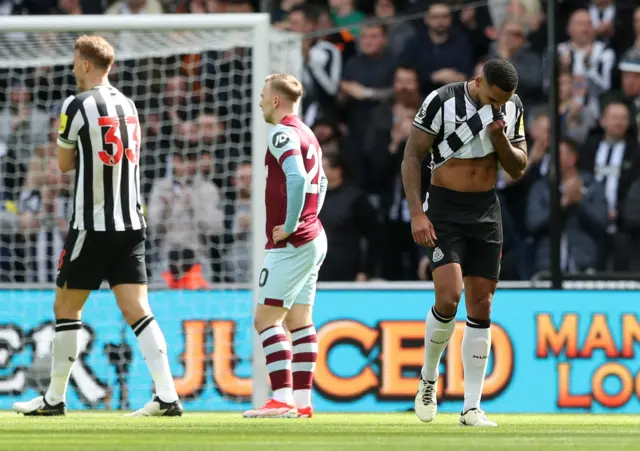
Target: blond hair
(96, 50)
(287, 85)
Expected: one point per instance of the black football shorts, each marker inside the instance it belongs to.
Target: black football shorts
(90, 257)
(468, 229)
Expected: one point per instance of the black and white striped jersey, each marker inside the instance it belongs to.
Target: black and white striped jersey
(449, 110)
(103, 125)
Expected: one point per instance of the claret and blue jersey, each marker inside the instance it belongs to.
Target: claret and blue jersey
(296, 183)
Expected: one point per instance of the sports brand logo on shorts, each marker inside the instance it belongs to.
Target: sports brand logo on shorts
(61, 259)
(437, 255)
(280, 139)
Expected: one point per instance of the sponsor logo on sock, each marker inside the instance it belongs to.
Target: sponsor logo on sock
(481, 357)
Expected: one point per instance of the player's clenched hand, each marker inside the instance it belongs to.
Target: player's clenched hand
(279, 234)
(423, 231)
(496, 128)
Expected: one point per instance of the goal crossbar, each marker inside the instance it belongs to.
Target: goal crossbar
(142, 22)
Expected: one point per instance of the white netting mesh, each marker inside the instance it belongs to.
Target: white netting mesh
(193, 92)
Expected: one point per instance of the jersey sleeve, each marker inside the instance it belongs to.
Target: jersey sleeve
(283, 143)
(70, 123)
(429, 117)
(515, 130)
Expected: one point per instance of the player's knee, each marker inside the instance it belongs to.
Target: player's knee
(299, 316)
(68, 304)
(480, 306)
(63, 309)
(263, 321)
(447, 301)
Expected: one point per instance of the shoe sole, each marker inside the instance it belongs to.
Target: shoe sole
(43, 414)
(283, 415)
(461, 424)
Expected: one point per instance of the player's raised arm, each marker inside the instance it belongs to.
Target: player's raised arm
(70, 122)
(426, 126)
(284, 145)
(512, 146)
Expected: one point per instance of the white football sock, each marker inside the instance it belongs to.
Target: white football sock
(154, 351)
(476, 346)
(437, 334)
(64, 354)
(302, 398)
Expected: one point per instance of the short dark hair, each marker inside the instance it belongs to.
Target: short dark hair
(335, 159)
(383, 27)
(311, 13)
(571, 143)
(501, 73)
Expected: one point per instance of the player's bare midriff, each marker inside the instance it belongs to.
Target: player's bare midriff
(467, 175)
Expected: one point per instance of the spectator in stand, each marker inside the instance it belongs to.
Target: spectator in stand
(352, 227)
(477, 24)
(281, 12)
(23, 127)
(178, 112)
(612, 23)
(538, 145)
(627, 240)
(590, 62)
(636, 28)
(344, 14)
(575, 120)
(343, 39)
(630, 94)
(398, 33)
(45, 208)
(239, 6)
(585, 218)
(512, 45)
(614, 158)
(391, 124)
(367, 82)
(323, 66)
(440, 52)
(238, 258)
(182, 210)
(387, 131)
(136, 7)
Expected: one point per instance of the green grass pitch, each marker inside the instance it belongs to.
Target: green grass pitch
(217, 431)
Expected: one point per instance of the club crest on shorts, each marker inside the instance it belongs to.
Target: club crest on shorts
(437, 255)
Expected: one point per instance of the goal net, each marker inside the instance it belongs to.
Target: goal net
(195, 80)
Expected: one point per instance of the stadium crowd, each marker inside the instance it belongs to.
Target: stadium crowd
(364, 80)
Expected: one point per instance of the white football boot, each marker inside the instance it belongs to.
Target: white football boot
(475, 418)
(426, 404)
(273, 409)
(158, 408)
(39, 407)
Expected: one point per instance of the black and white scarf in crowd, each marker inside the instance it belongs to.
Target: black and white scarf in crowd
(595, 67)
(608, 167)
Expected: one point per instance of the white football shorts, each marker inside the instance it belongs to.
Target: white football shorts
(289, 274)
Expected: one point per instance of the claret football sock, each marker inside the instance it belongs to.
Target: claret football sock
(154, 351)
(305, 354)
(437, 335)
(476, 345)
(277, 352)
(65, 353)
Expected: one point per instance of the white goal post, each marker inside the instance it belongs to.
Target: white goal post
(37, 41)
